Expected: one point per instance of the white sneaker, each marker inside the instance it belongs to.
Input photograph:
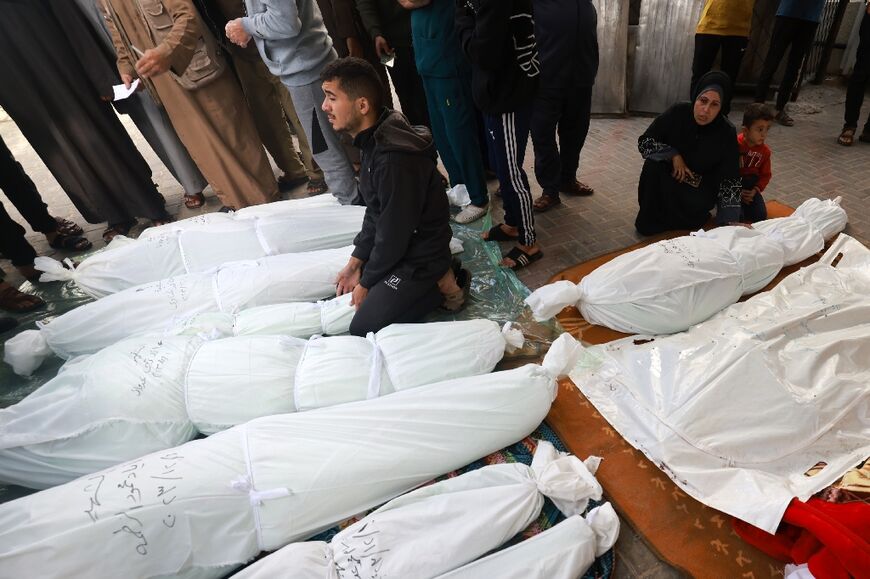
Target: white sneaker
(470, 213)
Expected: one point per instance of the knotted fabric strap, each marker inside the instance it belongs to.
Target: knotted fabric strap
(181, 252)
(261, 237)
(377, 367)
(246, 484)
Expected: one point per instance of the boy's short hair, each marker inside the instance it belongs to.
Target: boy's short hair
(757, 112)
(357, 78)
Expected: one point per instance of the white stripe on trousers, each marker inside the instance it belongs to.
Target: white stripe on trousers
(524, 195)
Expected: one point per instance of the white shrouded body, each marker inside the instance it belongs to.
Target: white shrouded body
(199, 248)
(799, 354)
(159, 392)
(292, 277)
(205, 507)
(442, 526)
(669, 286)
(565, 551)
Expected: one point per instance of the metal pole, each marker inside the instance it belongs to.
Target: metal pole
(822, 68)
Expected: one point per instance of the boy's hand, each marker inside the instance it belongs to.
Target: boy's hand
(747, 195)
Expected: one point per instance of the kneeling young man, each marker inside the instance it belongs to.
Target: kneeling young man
(400, 269)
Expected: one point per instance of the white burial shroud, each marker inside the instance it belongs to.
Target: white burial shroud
(153, 307)
(146, 394)
(669, 286)
(738, 408)
(565, 551)
(197, 248)
(440, 527)
(204, 508)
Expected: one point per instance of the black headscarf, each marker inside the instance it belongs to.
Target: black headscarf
(714, 80)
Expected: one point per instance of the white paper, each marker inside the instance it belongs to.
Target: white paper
(122, 92)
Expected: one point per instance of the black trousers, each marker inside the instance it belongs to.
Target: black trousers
(21, 191)
(409, 86)
(566, 112)
(708, 46)
(404, 296)
(787, 32)
(860, 76)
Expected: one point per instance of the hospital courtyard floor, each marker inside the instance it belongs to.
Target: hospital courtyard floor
(807, 162)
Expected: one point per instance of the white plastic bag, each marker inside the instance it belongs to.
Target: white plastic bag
(466, 517)
(157, 306)
(458, 196)
(738, 408)
(159, 392)
(210, 505)
(565, 551)
(196, 248)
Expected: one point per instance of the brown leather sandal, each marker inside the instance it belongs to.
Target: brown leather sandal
(13, 300)
(847, 137)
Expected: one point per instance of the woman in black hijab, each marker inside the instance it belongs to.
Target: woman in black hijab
(692, 163)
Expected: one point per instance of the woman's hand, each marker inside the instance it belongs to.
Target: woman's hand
(681, 171)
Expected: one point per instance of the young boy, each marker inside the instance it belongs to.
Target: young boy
(754, 161)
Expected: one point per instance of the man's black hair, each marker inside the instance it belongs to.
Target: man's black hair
(357, 78)
(757, 112)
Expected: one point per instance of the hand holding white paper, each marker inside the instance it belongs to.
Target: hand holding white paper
(154, 307)
(565, 551)
(465, 517)
(210, 505)
(146, 394)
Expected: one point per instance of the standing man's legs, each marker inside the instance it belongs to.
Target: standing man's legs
(325, 144)
(733, 49)
(268, 117)
(858, 81)
(573, 130)
(311, 168)
(409, 86)
(509, 133)
(780, 40)
(454, 127)
(546, 115)
(802, 41)
(21, 191)
(706, 48)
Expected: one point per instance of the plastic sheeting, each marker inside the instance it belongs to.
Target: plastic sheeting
(565, 551)
(158, 392)
(153, 307)
(669, 286)
(738, 408)
(199, 248)
(205, 507)
(442, 526)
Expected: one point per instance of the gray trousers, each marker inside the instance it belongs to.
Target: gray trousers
(325, 144)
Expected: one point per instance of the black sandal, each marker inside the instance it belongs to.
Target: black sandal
(496, 233)
(67, 227)
(522, 259)
(70, 242)
(865, 136)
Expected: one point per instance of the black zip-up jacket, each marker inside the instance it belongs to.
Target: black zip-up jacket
(498, 37)
(407, 218)
(567, 37)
